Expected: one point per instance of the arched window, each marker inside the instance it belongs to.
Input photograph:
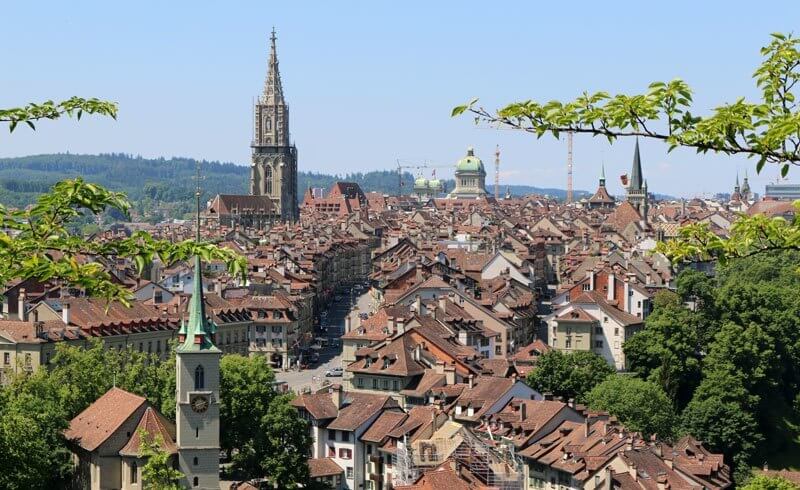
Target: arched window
(195, 461)
(199, 378)
(268, 123)
(268, 179)
(195, 482)
(134, 472)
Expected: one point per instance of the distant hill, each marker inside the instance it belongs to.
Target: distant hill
(164, 181)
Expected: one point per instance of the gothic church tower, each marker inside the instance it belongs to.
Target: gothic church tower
(273, 171)
(637, 188)
(197, 387)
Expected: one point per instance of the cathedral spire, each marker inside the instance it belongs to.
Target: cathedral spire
(273, 90)
(636, 171)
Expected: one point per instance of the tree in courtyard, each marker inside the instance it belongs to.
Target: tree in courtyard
(158, 473)
(279, 449)
(246, 392)
(640, 405)
(570, 375)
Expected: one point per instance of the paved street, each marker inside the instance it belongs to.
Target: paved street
(329, 357)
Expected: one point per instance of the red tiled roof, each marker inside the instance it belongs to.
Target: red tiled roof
(102, 418)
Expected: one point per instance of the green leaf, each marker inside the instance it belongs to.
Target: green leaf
(458, 110)
(785, 170)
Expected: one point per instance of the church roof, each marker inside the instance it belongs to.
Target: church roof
(636, 171)
(92, 427)
(273, 89)
(197, 332)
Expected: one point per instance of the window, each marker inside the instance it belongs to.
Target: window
(149, 347)
(598, 344)
(332, 435)
(568, 343)
(195, 482)
(331, 452)
(199, 378)
(374, 383)
(598, 330)
(360, 382)
(345, 453)
(349, 472)
(386, 362)
(134, 472)
(197, 432)
(276, 329)
(385, 384)
(141, 346)
(158, 346)
(587, 287)
(6, 358)
(345, 436)
(261, 314)
(616, 330)
(639, 304)
(194, 461)
(395, 385)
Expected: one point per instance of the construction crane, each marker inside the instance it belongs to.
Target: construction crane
(497, 172)
(401, 167)
(569, 167)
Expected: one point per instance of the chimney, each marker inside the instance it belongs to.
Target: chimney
(218, 288)
(336, 395)
(347, 323)
(591, 275)
(65, 313)
(21, 314)
(609, 483)
(632, 471)
(523, 411)
(401, 326)
(470, 381)
(586, 427)
(626, 291)
(438, 367)
(418, 307)
(450, 375)
(443, 304)
(612, 285)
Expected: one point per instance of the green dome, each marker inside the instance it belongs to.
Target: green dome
(434, 183)
(469, 163)
(421, 182)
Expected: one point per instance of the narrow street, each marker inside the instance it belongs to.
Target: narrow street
(329, 357)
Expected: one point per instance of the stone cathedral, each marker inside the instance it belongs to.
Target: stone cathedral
(274, 166)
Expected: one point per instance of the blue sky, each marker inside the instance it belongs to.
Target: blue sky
(372, 82)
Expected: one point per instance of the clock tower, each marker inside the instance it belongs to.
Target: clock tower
(197, 386)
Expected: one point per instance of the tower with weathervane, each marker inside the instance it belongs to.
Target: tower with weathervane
(197, 385)
(273, 171)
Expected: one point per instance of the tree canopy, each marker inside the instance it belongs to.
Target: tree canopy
(570, 375)
(641, 406)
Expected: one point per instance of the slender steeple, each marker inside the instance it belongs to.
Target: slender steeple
(197, 332)
(602, 175)
(636, 171)
(273, 90)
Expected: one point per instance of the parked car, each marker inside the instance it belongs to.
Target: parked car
(334, 372)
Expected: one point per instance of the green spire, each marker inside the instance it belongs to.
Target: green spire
(197, 332)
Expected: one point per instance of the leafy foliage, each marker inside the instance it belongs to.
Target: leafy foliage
(732, 360)
(768, 130)
(157, 473)
(641, 406)
(279, 447)
(246, 393)
(37, 243)
(764, 482)
(74, 106)
(570, 375)
(668, 350)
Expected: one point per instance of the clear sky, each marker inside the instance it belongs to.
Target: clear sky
(372, 82)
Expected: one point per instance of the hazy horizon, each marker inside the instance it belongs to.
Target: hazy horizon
(370, 84)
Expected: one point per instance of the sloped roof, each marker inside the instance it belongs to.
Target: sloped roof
(154, 425)
(101, 419)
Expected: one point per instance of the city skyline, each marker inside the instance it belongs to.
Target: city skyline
(185, 80)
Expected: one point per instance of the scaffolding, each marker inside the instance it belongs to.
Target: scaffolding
(495, 466)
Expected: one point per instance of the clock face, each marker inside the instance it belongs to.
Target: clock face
(199, 403)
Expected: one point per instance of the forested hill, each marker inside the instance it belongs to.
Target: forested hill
(172, 180)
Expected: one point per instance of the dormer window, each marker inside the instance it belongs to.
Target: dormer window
(386, 362)
(367, 362)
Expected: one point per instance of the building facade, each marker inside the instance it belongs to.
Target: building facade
(273, 171)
